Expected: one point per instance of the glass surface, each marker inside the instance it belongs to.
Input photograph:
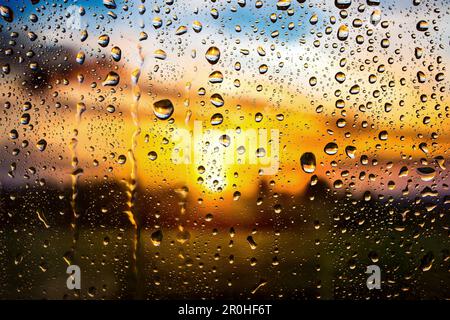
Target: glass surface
(229, 149)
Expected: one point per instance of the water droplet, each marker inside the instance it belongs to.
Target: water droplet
(251, 242)
(41, 145)
(197, 26)
(340, 77)
(403, 172)
(225, 140)
(217, 100)
(331, 148)
(13, 134)
(312, 81)
(163, 109)
(157, 238)
(181, 30)
(80, 57)
(152, 155)
(375, 17)
(383, 135)
(283, 4)
(350, 151)
(122, 159)
(418, 52)
(426, 173)
(422, 25)
(116, 53)
(160, 54)
(157, 22)
(260, 153)
(110, 4)
(103, 40)
(213, 55)
(6, 13)
(308, 162)
(421, 77)
(25, 118)
(112, 79)
(216, 119)
(342, 4)
(343, 32)
(440, 160)
(263, 68)
(216, 77)
(83, 35)
(183, 235)
(355, 89)
(338, 184)
(426, 263)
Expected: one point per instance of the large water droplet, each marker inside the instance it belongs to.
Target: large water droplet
(422, 25)
(217, 100)
(331, 148)
(41, 145)
(216, 77)
(6, 13)
(110, 4)
(103, 40)
(116, 53)
(343, 32)
(163, 109)
(216, 119)
(342, 4)
(426, 173)
(156, 238)
(213, 55)
(112, 79)
(308, 162)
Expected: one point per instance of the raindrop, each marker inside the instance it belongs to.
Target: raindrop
(331, 148)
(422, 25)
(197, 26)
(163, 109)
(110, 4)
(251, 242)
(263, 68)
(116, 53)
(343, 32)
(216, 77)
(308, 162)
(181, 30)
(225, 140)
(213, 55)
(152, 155)
(80, 57)
(342, 4)
(216, 119)
(41, 145)
(283, 4)
(112, 79)
(217, 100)
(160, 54)
(157, 237)
(157, 22)
(383, 135)
(6, 13)
(426, 173)
(103, 40)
